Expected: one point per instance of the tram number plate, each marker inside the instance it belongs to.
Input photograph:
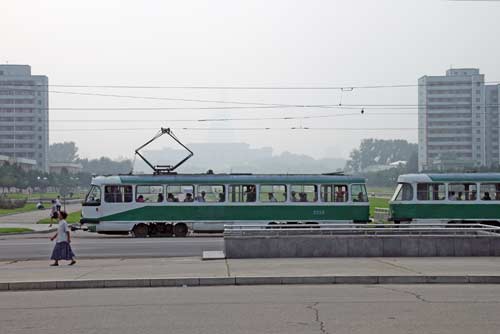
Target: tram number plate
(318, 212)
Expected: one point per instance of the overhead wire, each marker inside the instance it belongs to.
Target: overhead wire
(244, 87)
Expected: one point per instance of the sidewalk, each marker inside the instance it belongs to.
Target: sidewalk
(27, 275)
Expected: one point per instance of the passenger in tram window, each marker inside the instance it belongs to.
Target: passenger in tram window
(459, 196)
(251, 194)
(170, 197)
(201, 197)
(452, 196)
(140, 199)
(222, 197)
(339, 195)
(117, 194)
(486, 196)
(160, 198)
(360, 198)
(271, 197)
(473, 195)
(127, 194)
(108, 196)
(302, 197)
(294, 197)
(189, 198)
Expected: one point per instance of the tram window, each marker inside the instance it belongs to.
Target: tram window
(334, 193)
(210, 193)
(431, 192)
(242, 193)
(94, 196)
(490, 191)
(358, 192)
(303, 193)
(149, 194)
(118, 194)
(404, 192)
(272, 193)
(180, 193)
(462, 191)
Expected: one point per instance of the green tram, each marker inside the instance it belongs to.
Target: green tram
(447, 198)
(173, 204)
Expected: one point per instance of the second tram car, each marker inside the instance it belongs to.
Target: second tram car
(447, 198)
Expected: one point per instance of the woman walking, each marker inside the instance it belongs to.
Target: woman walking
(62, 249)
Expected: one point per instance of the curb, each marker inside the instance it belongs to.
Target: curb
(246, 280)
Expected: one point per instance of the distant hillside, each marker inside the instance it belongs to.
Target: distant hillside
(239, 158)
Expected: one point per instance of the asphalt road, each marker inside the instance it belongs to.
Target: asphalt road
(256, 309)
(91, 245)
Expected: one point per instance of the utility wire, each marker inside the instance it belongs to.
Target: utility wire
(342, 88)
(298, 128)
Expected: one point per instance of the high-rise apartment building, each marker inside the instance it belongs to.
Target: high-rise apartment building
(24, 115)
(458, 121)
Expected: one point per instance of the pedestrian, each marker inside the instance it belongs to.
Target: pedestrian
(62, 249)
(58, 203)
(53, 212)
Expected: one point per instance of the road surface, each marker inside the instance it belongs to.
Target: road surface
(91, 245)
(384, 309)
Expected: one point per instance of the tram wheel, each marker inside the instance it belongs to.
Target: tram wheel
(140, 231)
(180, 230)
(165, 230)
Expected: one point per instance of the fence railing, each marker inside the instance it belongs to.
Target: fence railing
(361, 229)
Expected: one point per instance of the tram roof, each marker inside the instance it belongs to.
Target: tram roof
(227, 178)
(450, 177)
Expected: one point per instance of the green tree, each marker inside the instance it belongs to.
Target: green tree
(379, 152)
(63, 152)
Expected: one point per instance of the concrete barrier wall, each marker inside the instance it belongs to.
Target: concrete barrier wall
(360, 246)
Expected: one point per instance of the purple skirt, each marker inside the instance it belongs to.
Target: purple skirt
(62, 251)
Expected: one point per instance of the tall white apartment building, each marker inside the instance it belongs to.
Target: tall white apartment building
(458, 121)
(24, 115)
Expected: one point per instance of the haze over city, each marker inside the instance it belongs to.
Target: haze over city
(258, 44)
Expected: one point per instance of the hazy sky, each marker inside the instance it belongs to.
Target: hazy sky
(243, 43)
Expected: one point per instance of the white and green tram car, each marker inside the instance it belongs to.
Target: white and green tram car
(447, 198)
(174, 204)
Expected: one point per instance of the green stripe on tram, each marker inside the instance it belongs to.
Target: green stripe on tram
(445, 211)
(243, 212)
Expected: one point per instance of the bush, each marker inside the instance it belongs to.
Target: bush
(6, 203)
